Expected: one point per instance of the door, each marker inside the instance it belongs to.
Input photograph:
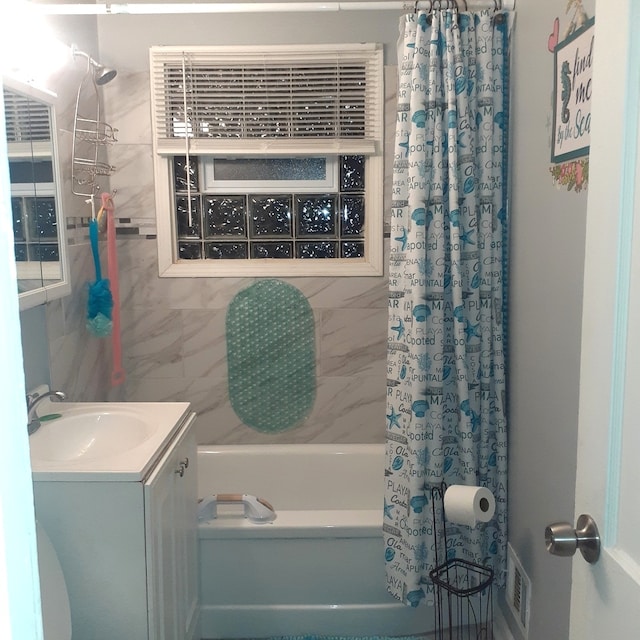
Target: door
(605, 599)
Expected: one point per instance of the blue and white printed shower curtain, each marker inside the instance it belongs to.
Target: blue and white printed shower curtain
(446, 388)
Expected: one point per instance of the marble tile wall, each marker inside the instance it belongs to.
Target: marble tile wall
(79, 363)
(173, 329)
(174, 349)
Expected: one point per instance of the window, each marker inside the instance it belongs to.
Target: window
(270, 173)
(276, 208)
(268, 161)
(33, 192)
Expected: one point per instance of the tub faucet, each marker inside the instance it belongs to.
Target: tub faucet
(33, 400)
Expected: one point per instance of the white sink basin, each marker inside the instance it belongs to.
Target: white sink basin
(93, 434)
(106, 441)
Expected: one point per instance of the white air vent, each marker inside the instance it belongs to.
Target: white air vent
(518, 591)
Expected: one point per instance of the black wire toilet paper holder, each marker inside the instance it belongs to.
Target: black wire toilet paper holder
(463, 589)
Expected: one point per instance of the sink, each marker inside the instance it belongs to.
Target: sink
(89, 434)
(102, 441)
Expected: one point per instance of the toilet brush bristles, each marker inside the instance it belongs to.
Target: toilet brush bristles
(99, 309)
(100, 300)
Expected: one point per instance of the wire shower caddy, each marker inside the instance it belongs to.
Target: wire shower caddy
(463, 589)
(90, 135)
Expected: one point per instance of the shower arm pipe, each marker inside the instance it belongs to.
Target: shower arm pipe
(75, 52)
(149, 8)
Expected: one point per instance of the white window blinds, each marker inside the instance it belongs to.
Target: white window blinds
(237, 100)
(27, 120)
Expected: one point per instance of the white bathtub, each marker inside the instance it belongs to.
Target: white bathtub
(318, 568)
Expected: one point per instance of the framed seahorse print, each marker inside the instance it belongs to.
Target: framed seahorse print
(573, 64)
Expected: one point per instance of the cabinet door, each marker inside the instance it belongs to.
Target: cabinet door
(186, 551)
(171, 530)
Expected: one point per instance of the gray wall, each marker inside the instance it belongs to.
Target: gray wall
(547, 257)
(35, 347)
(547, 253)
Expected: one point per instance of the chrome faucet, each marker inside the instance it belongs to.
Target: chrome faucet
(33, 400)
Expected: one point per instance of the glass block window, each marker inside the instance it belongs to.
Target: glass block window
(33, 201)
(282, 225)
(35, 230)
(269, 159)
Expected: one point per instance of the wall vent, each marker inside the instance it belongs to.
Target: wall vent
(518, 591)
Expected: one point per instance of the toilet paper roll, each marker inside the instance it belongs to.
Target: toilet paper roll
(468, 505)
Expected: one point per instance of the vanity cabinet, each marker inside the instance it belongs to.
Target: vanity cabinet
(128, 549)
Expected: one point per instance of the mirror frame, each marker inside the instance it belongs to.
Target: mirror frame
(62, 287)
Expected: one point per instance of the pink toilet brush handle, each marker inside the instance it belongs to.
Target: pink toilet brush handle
(117, 372)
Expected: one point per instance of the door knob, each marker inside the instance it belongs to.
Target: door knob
(562, 539)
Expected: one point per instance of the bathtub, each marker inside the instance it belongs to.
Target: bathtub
(318, 568)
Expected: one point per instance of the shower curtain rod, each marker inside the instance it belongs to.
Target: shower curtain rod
(149, 8)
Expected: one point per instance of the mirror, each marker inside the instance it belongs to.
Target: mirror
(38, 227)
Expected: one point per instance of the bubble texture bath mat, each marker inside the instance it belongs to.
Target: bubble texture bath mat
(271, 356)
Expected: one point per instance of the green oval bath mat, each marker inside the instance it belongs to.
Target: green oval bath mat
(271, 356)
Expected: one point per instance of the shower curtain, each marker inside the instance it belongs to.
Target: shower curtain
(446, 387)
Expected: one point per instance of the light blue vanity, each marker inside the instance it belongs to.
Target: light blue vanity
(116, 491)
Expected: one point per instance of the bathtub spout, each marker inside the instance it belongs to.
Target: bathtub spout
(258, 510)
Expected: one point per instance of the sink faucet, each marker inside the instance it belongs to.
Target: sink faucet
(33, 400)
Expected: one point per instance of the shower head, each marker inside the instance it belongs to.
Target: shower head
(101, 75)
(104, 76)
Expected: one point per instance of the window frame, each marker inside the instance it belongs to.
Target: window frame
(170, 265)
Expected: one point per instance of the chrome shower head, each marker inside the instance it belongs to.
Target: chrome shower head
(104, 76)
(101, 75)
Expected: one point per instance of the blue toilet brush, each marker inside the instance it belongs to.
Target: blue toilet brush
(100, 301)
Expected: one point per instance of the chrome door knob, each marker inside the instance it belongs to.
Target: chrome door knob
(562, 539)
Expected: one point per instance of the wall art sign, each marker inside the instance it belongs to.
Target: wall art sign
(573, 67)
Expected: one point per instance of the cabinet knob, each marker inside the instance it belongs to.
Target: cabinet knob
(182, 466)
